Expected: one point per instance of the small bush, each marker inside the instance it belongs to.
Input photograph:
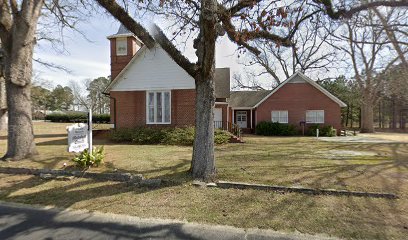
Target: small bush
(324, 131)
(122, 135)
(77, 117)
(148, 135)
(167, 136)
(275, 129)
(101, 118)
(86, 159)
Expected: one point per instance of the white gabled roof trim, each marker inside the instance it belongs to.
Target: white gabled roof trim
(311, 82)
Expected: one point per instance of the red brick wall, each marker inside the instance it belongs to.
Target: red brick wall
(131, 108)
(120, 62)
(183, 107)
(296, 98)
(230, 115)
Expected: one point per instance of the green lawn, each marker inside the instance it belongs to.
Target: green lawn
(290, 161)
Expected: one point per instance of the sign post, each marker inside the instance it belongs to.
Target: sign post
(90, 130)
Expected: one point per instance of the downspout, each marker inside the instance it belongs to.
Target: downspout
(114, 108)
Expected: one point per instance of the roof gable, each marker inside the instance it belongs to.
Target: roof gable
(299, 77)
(154, 69)
(151, 69)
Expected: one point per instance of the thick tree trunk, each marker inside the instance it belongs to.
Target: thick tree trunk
(394, 115)
(203, 162)
(3, 105)
(20, 142)
(3, 119)
(19, 47)
(347, 116)
(367, 117)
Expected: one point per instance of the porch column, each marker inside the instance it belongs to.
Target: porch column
(250, 116)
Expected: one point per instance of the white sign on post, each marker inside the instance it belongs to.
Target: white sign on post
(77, 137)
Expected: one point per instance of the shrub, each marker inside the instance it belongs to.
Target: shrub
(122, 135)
(86, 159)
(179, 136)
(101, 118)
(167, 136)
(275, 129)
(221, 136)
(148, 135)
(77, 117)
(324, 131)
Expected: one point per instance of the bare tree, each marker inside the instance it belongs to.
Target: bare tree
(18, 33)
(309, 53)
(365, 40)
(79, 89)
(396, 27)
(18, 27)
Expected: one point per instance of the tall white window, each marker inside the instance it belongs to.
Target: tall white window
(158, 107)
(315, 116)
(280, 116)
(121, 46)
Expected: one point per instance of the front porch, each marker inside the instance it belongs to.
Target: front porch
(244, 118)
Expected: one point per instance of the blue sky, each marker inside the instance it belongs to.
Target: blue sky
(89, 59)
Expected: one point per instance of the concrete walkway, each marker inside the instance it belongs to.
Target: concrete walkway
(19, 221)
(356, 139)
(379, 137)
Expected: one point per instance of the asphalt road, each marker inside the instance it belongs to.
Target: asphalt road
(26, 222)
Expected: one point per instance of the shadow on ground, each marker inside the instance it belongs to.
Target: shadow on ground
(24, 223)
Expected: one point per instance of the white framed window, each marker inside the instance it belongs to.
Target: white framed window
(241, 116)
(315, 116)
(121, 46)
(280, 116)
(158, 107)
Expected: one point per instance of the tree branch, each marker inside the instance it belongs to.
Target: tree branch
(174, 53)
(120, 14)
(344, 13)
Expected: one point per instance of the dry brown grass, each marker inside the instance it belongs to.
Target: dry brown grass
(281, 161)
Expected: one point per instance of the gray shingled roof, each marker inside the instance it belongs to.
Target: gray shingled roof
(123, 30)
(247, 98)
(222, 82)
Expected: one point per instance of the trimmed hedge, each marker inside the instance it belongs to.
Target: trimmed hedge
(324, 131)
(275, 129)
(166, 136)
(77, 117)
